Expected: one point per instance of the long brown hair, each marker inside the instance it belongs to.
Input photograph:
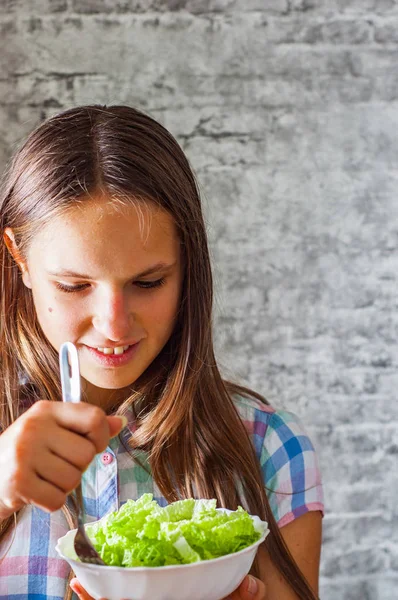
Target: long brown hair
(179, 399)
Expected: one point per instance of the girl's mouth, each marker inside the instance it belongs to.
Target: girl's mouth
(113, 357)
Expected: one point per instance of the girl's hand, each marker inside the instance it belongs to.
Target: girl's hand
(251, 588)
(80, 591)
(44, 453)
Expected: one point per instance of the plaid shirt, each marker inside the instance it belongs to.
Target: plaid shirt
(32, 570)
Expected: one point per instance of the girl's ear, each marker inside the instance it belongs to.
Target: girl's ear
(9, 240)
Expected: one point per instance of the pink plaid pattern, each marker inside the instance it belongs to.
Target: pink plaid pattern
(32, 570)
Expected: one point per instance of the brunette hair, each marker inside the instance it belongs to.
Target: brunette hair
(131, 158)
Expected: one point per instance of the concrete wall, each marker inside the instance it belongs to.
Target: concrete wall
(288, 111)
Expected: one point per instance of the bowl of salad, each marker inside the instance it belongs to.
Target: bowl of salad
(189, 549)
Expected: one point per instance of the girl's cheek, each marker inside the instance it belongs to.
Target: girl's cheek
(62, 318)
(161, 310)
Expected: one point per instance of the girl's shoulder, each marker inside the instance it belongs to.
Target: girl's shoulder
(271, 428)
(287, 458)
(247, 404)
(252, 409)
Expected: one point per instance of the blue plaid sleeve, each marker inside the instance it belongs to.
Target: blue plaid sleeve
(290, 469)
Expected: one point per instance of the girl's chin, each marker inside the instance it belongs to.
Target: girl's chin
(108, 383)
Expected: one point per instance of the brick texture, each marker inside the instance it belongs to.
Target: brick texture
(288, 111)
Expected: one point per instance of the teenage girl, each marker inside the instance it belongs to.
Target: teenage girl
(104, 245)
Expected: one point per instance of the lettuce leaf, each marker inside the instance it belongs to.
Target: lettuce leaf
(142, 533)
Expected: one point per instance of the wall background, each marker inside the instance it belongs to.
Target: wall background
(288, 111)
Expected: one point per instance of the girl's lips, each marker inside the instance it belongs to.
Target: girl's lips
(113, 360)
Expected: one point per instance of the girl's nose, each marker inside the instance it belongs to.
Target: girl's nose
(112, 317)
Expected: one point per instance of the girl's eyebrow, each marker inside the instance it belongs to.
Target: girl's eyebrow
(159, 267)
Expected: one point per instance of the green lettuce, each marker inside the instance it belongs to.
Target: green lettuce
(144, 534)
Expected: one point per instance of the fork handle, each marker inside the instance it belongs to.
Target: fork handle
(77, 498)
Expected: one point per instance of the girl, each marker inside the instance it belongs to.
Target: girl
(105, 246)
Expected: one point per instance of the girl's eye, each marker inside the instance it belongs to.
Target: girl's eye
(150, 284)
(82, 286)
(71, 288)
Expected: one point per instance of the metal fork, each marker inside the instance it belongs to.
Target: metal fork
(71, 392)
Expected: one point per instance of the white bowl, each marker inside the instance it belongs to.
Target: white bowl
(206, 580)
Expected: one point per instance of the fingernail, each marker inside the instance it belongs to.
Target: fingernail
(124, 420)
(252, 586)
(74, 584)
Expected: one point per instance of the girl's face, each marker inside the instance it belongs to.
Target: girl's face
(106, 279)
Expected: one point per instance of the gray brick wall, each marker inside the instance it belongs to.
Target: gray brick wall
(288, 112)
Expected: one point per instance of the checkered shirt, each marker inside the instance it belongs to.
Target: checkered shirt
(32, 569)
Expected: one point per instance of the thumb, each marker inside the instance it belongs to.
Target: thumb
(78, 589)
(116, 424)
(252, 588)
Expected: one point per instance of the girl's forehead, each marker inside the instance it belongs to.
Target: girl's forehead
(99, 229)
(101, 219)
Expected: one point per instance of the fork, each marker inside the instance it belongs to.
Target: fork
(71, 392)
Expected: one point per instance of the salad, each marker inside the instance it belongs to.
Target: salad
(144, 534)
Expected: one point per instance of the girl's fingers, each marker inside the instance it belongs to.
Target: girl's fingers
(116, 424)
(251, 588)
(80, 591)
(85, 419)
(59, 473)
(41, 493)
(62, 440)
